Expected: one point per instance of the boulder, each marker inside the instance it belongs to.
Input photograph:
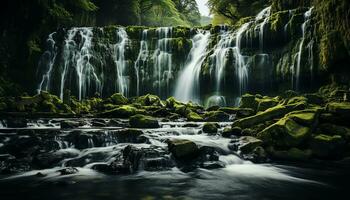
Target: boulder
(266, 103)
(210, 128)
(143, 121)
(217, 116)
(248, 143)
(229, 132)
(149, 100)
(192, 116)
(119, 99)
(285, 133)
(332, 129)
(240, 112)
(269, 114)
(307, 117)
(121, 112)
(70, 124)
(16, 123)
(293, 154)
(248, 101)
(129, 136)
(326, 146)
(183, 149)
(339, 108)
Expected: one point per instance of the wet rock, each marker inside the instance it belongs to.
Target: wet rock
(210, 128)
(239, 112)
(248, 143)
(51, 159)
(325, 146)
(80, 139)
(129, 136)
(248, 101)
(191, 125)
(98, 123)
(121, 112)
(217, 116)
(68, 171)
(292, 154)
(229, 132)
(70, 124)
(285, 133)
(269, 114)
(266, 103)
(183, 149)
(307, 117)
(12, 165)
(213, 165)
(119, 99)
(194, 117)
(332, 129)
(16, 123)
(22, 146)
(143, 121)
(314, 99)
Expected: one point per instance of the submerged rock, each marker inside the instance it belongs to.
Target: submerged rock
(143, 121)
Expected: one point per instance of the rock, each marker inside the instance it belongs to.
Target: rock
(234, 131)
(129, 136)
(16, 123)
(51, 159)
(194, 117)
(266, 103)
(149, 100)
(293, 154)
(68, 171)
(143, 121)
(171, 103)
(240, 112)
(191, 125)
(216, 116)
(332, 129)
(325, 146)
(248, 143)
(248, 101)
(269, 114)
(183, 149)
(212, 165)
(314, 99)
(307, 117)
(80, 139)
(213, 108)
(210, 128)
(285, 133)
(98, 123)
(69, 124)
(339, 108)
(121, 112)
(290, 94)
(119, 99)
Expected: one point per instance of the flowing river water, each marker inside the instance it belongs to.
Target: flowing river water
(81, 172)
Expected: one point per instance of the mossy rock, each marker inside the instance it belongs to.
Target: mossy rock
(269, 114)
(307, 117)
(129, 135)
(341, 108)
(171, 102)
(229, 132)
(326, 146)
(183, 149)
(121, 112)
(248, 143)
(149, 100)
(143, 121)
(266, 103)
(285, 133)
(248, 101)
(314, 99)
(194, 117)
(119, 99)
(217, 116)
(333, 129)
(240, 112)
(292, 154)
(210, 128)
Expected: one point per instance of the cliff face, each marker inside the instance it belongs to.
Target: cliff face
(295, 45)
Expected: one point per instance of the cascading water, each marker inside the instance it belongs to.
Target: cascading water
(162, 72)
(48, 60)
(264, 14)
(304, 26)
(187, 87)
(122, 85)
(141, 62)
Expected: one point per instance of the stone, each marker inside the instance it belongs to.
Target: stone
(120, 112)
(68, 171)
(326, 146)
(314, 98)
(210, 128)
(248, 143)
(248, 101)
(69, 124)
(143, 121)
(183, 149)
(340, 108)
(212, 165)
(217, 116)
(16, 123)
(266, 103)
(333, 129)
(194, 117)
(119, 99)
(229, 132)
(129, 136)
(269, 114)
(293, 154)
(285, 133)
(307, 117)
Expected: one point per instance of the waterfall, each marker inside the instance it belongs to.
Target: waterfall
(187, 87)
(301, 44)
(162, 72)
(122, 85)
(48, 60)
(141, 62)
(264, 14)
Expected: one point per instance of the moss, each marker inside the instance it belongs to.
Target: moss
(119, 99)
(266, 103)
(325, 146)
(192, 116)
(183, 149)
(216, 116)
(149, 100)
(210, 127)
(285, 133)
(248, 101)
(307, 117)
(143, 121)
(342, 108)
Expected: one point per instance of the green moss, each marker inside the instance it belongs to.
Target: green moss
(143, 121)
(248, 101)
(210, 127)
(216, 116)
(183, 149)
(119, 99)
(192, 116)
